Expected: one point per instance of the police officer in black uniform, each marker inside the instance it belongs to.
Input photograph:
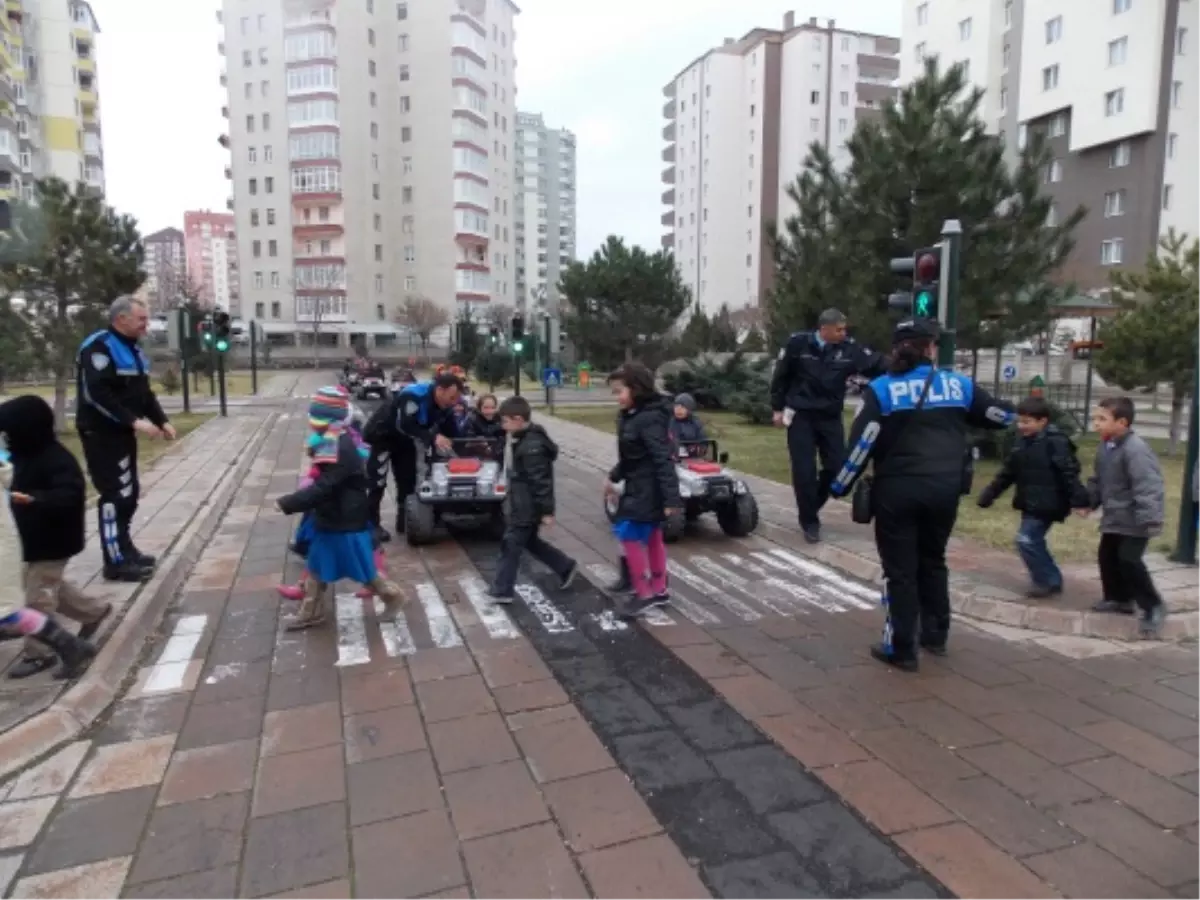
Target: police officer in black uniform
(114, 403)
(913, 428)
(808, 393)
(421, 414)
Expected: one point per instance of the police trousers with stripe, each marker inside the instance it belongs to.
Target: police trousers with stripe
(399, 455)
(112, 465)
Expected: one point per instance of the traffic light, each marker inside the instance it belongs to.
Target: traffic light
(518, 333)
(925, 269)
(221, 329)
(205, 330)
(493, 336)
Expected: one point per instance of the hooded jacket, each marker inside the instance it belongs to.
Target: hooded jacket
(1045, 470)
(531, 478)
(645, 464)
(52, 526)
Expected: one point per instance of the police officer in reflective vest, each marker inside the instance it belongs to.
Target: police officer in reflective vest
(421, 413)
(913, 428)
(808, 393)
(114, 403)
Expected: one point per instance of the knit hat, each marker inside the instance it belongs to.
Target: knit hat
(687, 401)
(329, 404)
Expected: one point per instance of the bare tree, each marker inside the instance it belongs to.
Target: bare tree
(498, 315)
(422, 317)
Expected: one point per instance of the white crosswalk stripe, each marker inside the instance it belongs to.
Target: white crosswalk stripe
(494, 619)
(352, 645)
(606, 574)
(862, 597)
(397, 637)
(733, 581)
(441, 625)
(712, 592)
(802, 593)
(549, 615)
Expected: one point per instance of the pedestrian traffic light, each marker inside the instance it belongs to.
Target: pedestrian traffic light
(221, 329)
(493, 335)
(205, 331)
(518, 329)
(925, 269)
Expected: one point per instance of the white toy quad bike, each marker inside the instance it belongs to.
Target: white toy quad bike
(705, 486)
(469, 481)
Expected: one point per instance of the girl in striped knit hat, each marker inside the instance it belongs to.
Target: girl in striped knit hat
(341, 543)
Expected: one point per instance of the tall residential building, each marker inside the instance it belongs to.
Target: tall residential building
(740, 120)
(211, 249)
(49, 95)
(545, 211)
(1112, 84)
(165, 266)
(371, 144)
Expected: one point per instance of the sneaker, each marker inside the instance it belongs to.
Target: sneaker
(1042, 592)
(569, 577)
(128, 572)
(1150, 624)
(290, 591)
(636, 607)
(28, 666)
(812, 534)
(501, 598)
(904, 664)
(662, 598)
(1112, 606)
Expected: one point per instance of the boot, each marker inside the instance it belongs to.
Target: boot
(312, 608)
(624, 583)
(390, 593)
(75, 654)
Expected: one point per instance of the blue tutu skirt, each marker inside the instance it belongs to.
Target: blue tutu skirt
(337, 555)
(305, 530)
(637, 532)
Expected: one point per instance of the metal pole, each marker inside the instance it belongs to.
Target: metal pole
(517, 374)
(181, 321)
(546, 343)
(254, 357)
(221, 381)
(1185, 541)
(1087, 384)
(952, 261)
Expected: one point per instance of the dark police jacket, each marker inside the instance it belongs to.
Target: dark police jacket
(811, 377)
(112, 384)
(931, 443)
(411, 413)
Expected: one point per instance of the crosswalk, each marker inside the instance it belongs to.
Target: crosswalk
(709, 590)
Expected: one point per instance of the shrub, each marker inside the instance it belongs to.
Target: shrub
(169, 380)
(735, 384)
(998, 444)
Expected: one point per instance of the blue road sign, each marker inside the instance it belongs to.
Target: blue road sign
(552, 377)
(1010, 372)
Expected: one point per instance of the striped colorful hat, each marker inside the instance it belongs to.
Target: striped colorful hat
(329, 404)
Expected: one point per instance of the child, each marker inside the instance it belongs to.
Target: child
(530, 501)
(685, 427)
(651, 491)
(49, 502)
(22, 620)
(1045, 470)
(341, 545)
(1128, 484)
(483, 421)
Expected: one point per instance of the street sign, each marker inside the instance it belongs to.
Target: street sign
(552, 377)
(1010, 372)
(177, 326)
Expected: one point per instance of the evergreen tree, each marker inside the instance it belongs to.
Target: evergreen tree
(69, 255)
(753, 342)
(724, 334)
(1153, 339)
(696, 337)
(470, 341)
(18, 354)
(928, 158)
(621, 304)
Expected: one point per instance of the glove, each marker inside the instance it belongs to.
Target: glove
(986, 499)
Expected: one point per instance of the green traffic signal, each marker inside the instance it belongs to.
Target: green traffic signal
(518, 346)
(222, 345)
(924, 304)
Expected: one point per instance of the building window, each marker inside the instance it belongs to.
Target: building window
(258, 310)
(406, 195)
(274, 280)
(1003, 99)
(1052, 216)
(410, 283)
(1054, 171)
(410, 253)
(254, 218)
(919, 52)
(1114, 102)
(374, 131)
(814, 97)
(404, 73)
(276, 309)
(1050, 77)
(272, 248)
(253, 185)
(401, 11)
(1058, 125)
(405, 104)
(923, 14)
(1121, 6)
(406, 224)
(375, 190)
(250, 124)
(1118, 157)
(1180, 40)
(251, 154)
(966, 69)
(1117, 50)
(268, 153)
(269, 185)
(814, 124)
(1054, 30)
(1176, 94)
(264, 88)
(256, 249)
(371, 37)
(379, 253)
(1172, 143)
(262, 55)
(247, 59)
(258, 279)
(405, 134)
(964, 30)
(1166, 198)
(1007, 13)
(248, 91)
(1111, 252)
(266, 119)
(403, 43)
(406, 165)
(379, 284)
(1006, 55)
(1114, 204)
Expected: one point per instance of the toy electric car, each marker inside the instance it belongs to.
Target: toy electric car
(470, 482)
(705, 486)
(372, 387)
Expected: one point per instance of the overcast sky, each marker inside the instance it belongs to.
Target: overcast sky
(597, 68)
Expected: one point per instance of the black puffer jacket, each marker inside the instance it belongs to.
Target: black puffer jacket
(478, 426)
(52, 526)
(338, 498)
(531, 479)
(645, 464)
(1046, 472)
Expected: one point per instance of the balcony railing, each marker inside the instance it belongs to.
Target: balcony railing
(668, 175)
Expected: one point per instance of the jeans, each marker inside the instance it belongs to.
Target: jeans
(518, 538)
(1031, 544)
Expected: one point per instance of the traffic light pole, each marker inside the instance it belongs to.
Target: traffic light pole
(254, 357)
(221, 381)
(184, 333)
(948, 302)
(516, 373)
(1185, 541)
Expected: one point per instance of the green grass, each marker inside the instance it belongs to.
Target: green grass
(762, 451)
(236, 384)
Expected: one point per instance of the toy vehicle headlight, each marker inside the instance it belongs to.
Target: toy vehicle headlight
(740, 487)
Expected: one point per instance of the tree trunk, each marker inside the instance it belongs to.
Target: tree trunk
(60, 394)
(998, 369)
(1178, 398)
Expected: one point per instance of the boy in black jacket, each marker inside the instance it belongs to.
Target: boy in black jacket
(1043, 466)
(530, 501)
(49, 501)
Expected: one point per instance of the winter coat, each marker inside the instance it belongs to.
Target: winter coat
(52, 526)
(1046, 472)
(12, 597)
(1128, 484)
(531, 477)
(644, 463)
(338, 496)
(686, 431)
(478, 426)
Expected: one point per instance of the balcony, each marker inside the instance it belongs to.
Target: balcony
(224, 79)
(668, 241)
(669, 131)
(224, 112)
(229, 204)
(317, 230)
(669, 109)
(85, 64)
(668, 197)
(221, 48)
(668, 153)
(229, 173)
(669, 90)
(223, 140)
(668, 218)
(668, 175)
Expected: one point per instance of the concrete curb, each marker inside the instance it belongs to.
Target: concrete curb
(78, 706)
(971, 602)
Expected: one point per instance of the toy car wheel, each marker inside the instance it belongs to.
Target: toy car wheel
(419, 521)
(674, 527)
(739, 518)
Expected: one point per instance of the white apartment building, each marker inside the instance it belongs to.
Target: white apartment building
(371, 145)
(1112, 85)
(740, 120)
(544, 211)
(49, 96)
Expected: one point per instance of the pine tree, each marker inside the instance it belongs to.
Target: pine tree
(18, 345)
(724, 334)
(696, 337)
(927, 158)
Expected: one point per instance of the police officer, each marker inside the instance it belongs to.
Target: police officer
(913, 428)
(419, 414)
(808, 393)
(113, 404)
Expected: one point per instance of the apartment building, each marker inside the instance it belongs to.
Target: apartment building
(49, 96)
(1112, 84)
(371, 145)
(740, 120)
(165, 265)
(544, 213)
(210, 246)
